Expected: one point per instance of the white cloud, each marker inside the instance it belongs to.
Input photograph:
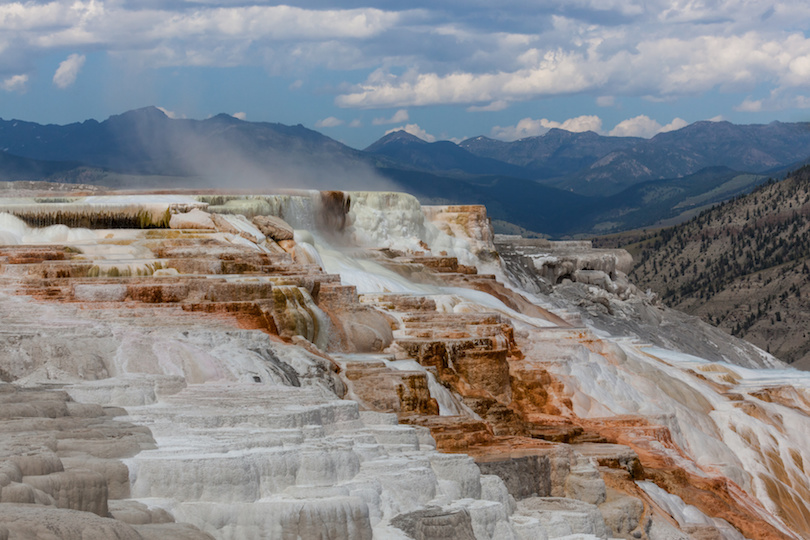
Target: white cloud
(529, 127)
(90, 20)
(240, 115)
(606, 101)
(329, 122)
(399, 116)
(640, 126)
(644, 126)
(579, 124)
(279, 23)
(15, 83)
(559, 72)
(610, 62)
(676, 124)
(718, 118)
(483, 56)
(776, 101)
(171, 114)
(495, 106)
(68, 70)
(749, 105)
(160, 34)
(356, 123)
(414, 130)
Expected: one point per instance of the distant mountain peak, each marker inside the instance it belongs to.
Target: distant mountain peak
(399, 137)
(559, 132)
(151, 112)
(225, 118)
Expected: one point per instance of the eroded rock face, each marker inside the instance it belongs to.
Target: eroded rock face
(469, 409)
(332, 211)
(543, 404)
(358, 328)
(524, 476)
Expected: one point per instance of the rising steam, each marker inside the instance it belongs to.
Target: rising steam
(226, 153)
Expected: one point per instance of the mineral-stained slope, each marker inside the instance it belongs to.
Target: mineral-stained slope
(335, 365)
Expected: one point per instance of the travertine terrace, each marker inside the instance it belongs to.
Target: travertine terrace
(352, 365)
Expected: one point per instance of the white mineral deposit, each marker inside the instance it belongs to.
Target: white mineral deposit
(174, 366)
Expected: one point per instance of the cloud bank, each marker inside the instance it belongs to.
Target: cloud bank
(639, 126)
(644, 126)
(529, 127)
(478, 57)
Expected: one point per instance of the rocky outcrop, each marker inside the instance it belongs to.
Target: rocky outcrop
(274, 227)
(555, 262)
(607, 301)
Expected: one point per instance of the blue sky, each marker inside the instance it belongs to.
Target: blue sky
(450, 69)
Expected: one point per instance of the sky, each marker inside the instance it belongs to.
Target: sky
(440, 69)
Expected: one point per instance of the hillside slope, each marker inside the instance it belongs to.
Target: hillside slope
(16, 168)
(742, 266)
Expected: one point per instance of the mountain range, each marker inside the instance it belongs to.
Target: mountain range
(558, 184)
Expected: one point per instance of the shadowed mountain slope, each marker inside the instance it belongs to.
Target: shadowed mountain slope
(446, 157)
(19, 168)
(557, 153)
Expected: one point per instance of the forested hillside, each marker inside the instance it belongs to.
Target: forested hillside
(742, 266)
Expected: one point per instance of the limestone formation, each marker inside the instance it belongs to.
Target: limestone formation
(61, 464)
(382, 378)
